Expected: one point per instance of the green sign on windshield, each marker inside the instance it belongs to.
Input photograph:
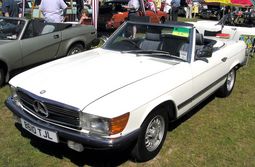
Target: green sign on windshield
(180, 31)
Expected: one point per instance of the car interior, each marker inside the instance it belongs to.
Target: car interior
(38, 27)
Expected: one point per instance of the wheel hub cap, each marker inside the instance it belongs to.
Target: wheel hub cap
(230, 80)
(154, 133)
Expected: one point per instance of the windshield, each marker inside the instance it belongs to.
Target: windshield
(10, 29)
(155, 39)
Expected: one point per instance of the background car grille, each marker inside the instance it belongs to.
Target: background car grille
(58, 113)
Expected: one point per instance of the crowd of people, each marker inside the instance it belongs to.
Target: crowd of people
(55, 10)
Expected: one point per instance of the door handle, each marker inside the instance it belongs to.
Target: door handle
(233, 29)
(224, 59)
(55, 36)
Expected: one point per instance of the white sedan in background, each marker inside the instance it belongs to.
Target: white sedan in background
(234, 26)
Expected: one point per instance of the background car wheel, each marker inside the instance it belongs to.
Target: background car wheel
(2, 77)
(228, 86)
(152, 136)
(218, 16)
(162, 20)
(77, 48)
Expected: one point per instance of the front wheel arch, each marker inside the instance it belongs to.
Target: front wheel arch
(151, 136)
(168, 111)
(226, 89)
(75, 44)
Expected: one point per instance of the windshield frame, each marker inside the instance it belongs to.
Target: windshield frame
(107, 45)
(22, 23)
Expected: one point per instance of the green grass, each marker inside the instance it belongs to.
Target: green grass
(220, 133)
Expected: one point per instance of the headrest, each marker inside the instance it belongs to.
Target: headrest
(153, 36)
(47, 29)
(199, 39)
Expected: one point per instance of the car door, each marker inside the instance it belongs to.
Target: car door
(208, 75)
(40, 48)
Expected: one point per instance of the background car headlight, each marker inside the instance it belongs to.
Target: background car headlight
(103, 126)
(15, 95)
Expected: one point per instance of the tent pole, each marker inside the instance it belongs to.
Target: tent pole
(23, 8)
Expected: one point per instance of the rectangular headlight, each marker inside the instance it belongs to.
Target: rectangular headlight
(103, 126)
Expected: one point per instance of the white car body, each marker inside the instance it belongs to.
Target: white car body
(109, 83)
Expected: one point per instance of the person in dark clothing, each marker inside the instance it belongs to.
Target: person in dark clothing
(10, 8)
(174, 11)
(37, 2)
(80, 6)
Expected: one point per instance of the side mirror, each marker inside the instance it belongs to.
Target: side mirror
(203, 53)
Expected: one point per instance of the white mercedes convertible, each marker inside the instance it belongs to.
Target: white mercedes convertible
(125, 93)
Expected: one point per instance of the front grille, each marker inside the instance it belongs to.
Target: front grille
(57, 112)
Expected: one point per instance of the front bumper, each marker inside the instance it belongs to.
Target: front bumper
(88, 141)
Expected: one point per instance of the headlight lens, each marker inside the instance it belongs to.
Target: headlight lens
(103, 126)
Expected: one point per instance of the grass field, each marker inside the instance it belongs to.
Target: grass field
(220, 132)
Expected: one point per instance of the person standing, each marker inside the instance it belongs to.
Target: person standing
(53, 10)
(167, 8)
(151, 5)
(158, 4)
(85, 19)
(189, 9)
(10, 8)
(133, 7)
(80, 7)
(175, 4)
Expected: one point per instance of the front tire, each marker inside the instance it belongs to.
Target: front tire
(226, 89)
(152, 136)
(77, 48)
(218, 16)
(2, 77)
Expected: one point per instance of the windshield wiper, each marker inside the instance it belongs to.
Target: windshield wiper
(153, 53)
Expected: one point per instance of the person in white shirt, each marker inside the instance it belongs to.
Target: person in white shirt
(167, 8)
(53, 10)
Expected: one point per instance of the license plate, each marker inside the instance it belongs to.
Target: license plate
(39, 132)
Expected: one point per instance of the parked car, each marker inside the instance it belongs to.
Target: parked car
(238, 26)
(113, 13)
(211, 11)
(24, 43)
(127, 91)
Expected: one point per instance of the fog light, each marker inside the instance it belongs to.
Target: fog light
(75, 146)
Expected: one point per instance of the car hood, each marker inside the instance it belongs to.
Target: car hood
(83, 78)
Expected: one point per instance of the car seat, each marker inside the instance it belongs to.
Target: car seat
(47, 29)
(152, 41)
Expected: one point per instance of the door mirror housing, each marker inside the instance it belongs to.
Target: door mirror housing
(204, 53)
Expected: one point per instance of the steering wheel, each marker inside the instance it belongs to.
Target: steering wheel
(125, 44)
(131, 42)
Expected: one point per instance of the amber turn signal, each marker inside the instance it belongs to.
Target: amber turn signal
(117, 124)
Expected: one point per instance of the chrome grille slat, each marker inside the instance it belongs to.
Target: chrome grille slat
(58, 113)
